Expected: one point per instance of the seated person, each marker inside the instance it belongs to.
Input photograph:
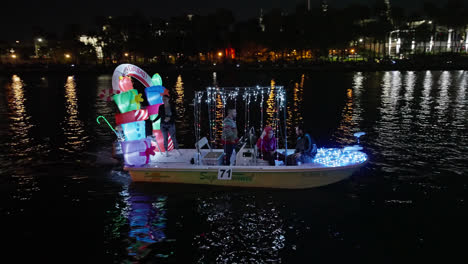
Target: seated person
(306, 148)
(267, 146)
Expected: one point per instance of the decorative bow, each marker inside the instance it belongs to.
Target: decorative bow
(149, 151)
(137, 99)
(165, 92)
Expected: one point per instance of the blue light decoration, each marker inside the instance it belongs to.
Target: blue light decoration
(339, 157)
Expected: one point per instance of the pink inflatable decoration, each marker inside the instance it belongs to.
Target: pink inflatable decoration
(125, 84)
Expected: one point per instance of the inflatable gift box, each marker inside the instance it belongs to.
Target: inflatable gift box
(127, 101)
(132, 116)
(134, 130)
(153, 110)
(137, 152)
(153, 94)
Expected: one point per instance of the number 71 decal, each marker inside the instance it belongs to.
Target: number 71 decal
(224, 174)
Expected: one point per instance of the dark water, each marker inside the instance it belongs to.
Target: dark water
(63, 199)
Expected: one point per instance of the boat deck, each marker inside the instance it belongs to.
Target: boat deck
(183, 160)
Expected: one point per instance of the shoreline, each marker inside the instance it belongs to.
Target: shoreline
(318, 67)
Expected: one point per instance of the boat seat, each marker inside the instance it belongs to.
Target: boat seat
(198, 147)
(201, 143)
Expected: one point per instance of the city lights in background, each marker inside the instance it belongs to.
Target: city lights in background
(67, 56)
(220, 54)
(126, 54)
(39, 39)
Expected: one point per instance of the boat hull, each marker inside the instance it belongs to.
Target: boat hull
(288, 177)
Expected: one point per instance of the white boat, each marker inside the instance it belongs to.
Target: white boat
(329, 166)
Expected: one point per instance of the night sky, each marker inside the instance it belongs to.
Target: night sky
(19, 16)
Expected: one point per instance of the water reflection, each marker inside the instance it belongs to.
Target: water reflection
(460, 101)
(391, 86)
(271, 109)
(406, 111)
(426, 96)
(20, 145)
(73, 127)
(391, 91)
(409, 83)
(143, 215)
(20, 120)
(239, 230)
(182, 123)
(443, 99)
(295, 112)
(351, 115)
(179, 89)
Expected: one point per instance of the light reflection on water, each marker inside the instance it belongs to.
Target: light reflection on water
(20, 119)
(239, 230)
(461, 100)
(296, 107)
(182, 110)
(443, 99)
(21, 141)
(74, 131)
(271, 105)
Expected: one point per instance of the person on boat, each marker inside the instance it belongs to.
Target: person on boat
(306, 148)
(229, 138)
(167, 114)
(267, 146)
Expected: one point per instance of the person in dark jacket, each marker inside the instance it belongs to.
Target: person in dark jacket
(167, 115)
(306, 148)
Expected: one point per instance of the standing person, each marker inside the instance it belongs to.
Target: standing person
(167, 114)
(229, 138)
(306, 148)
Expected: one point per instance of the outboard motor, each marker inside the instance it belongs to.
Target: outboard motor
(355, 147)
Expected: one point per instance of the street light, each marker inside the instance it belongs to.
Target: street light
(13, 56)
(220, 54)
(126, 54)
(39, 39)
(67, 56)
(360, 40)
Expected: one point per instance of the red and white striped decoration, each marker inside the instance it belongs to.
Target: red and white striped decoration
(141, 114)
(170, 145)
